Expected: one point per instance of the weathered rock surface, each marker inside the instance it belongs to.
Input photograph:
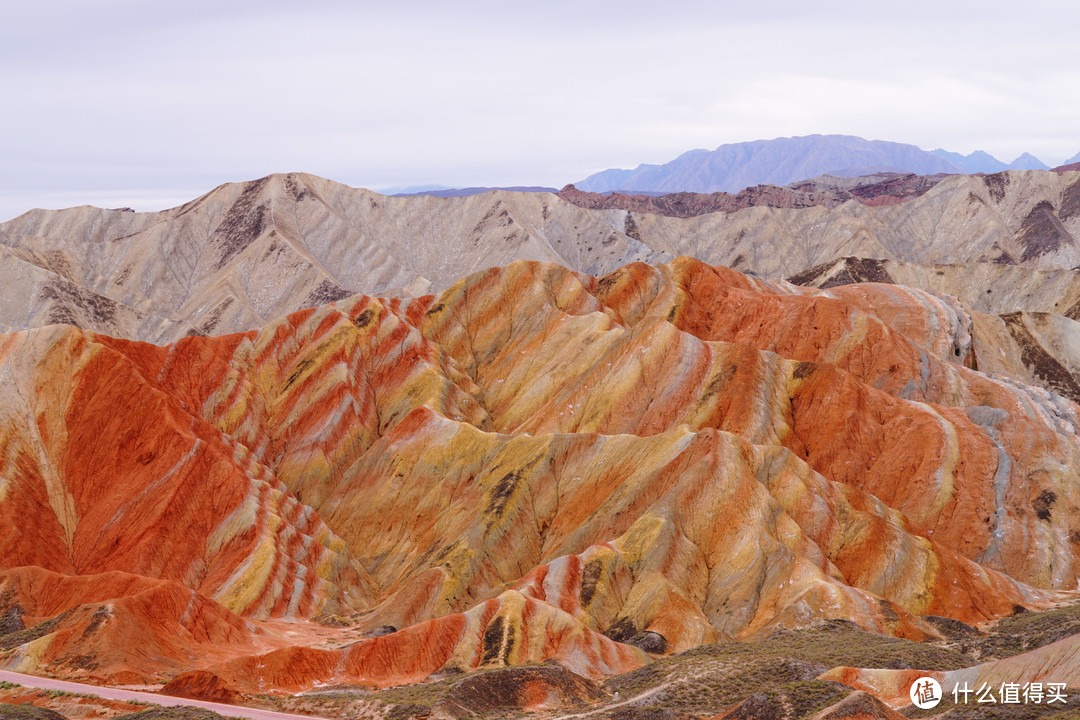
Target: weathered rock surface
(827, 191)
(536, 464)
(1013, 218)
(1026, 326)
(201, 685)
(246, 253)
(528, 688)
(990, 288)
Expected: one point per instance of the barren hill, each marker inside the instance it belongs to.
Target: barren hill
(246, 253)
(827, 191)
(535, 464)
(1012, 218)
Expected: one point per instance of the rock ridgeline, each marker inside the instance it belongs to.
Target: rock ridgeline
(826, 191)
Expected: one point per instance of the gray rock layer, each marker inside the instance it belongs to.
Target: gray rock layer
(245, 253)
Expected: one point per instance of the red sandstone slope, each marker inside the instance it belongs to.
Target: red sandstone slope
(535, 464)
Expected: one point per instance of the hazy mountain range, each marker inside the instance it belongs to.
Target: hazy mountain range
(732, 167)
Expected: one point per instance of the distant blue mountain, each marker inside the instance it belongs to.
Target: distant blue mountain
(976, 162)
(465, 192)
(983, 162)
(1074, 159)
(782, 161)
(410, 189)
(1027, 161)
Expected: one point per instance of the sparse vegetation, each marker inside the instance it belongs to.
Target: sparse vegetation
(796, 700)
(175, 713)
(21, 637)
(27, 711)
(776, 675)
(1022, 633)
(709, 678)
(404, 711)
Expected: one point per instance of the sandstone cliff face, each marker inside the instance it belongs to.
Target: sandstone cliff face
(246, 253)
(536, 463)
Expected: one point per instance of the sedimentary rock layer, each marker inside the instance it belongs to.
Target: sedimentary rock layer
(534, 464)
(991, 288)
(1024, 320)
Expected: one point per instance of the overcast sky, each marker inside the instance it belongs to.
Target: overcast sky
(149, 104)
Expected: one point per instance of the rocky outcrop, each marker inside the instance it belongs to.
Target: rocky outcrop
(1012, 218)
(201, 685)
(826, 191)
(536, 464)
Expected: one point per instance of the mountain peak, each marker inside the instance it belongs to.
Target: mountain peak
(1027, 161)
(979, 161)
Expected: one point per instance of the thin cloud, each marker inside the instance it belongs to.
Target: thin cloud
(165, 97)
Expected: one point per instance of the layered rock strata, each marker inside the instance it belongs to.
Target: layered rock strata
(535, 464)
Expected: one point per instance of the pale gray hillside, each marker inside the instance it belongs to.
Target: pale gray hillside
(245, 253)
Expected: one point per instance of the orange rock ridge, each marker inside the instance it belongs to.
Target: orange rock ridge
(536, 464)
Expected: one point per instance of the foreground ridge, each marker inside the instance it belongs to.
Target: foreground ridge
(537, 464)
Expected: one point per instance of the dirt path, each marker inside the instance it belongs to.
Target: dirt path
(32, 681)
